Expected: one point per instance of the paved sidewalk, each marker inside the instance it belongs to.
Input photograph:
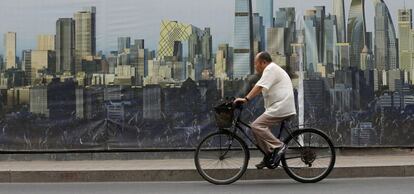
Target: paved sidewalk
(184, 170)
(185, 164)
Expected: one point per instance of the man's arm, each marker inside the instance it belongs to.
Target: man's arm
(253, 93)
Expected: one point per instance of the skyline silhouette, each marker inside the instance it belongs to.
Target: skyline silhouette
(122, 18)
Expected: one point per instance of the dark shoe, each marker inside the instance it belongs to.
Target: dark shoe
(276, 155)
(261, 165)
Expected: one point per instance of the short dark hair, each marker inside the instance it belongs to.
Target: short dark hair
(265, 56)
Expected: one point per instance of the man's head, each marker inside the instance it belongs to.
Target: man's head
(261, 61)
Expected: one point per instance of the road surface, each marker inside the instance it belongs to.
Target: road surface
(337, 186)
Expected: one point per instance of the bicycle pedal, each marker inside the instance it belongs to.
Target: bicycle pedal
(272, 166)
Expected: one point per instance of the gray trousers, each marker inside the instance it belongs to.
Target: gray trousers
(263, 135)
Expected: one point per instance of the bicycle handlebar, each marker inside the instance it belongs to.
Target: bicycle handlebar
(238, 105)
(230, 102)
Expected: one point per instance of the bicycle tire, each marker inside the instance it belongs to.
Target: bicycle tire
(234, 178)
(331, 164)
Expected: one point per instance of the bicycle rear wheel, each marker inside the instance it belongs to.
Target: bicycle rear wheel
(221, 158)
(310, 156)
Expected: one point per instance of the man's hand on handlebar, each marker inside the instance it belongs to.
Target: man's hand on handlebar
(240, 101)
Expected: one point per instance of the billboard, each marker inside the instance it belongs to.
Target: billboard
(99, 75)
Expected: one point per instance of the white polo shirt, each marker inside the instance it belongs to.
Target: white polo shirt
(277, 92)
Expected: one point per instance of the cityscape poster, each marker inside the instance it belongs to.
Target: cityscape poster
(135, 74)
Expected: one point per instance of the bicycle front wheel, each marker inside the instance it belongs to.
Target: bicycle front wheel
(221, 158)
(310, 156)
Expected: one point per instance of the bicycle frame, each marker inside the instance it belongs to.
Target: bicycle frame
(238, 125)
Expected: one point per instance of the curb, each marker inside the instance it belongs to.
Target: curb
(185, 175)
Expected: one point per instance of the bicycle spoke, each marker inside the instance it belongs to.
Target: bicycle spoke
(319, 157)
(317, 163)
(230, 154)
(297, 142)
(209, 156)
(235, 164)
(210, 163)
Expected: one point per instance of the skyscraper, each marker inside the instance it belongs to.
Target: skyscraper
(10, 46)
(369, 40)
(26, 59)
(286, 18)
(123, 43)
(194, 48)
(139, 43)
(178, 51)
(38, 100)
(311, 43)
(343, 56)
(356, 31)
(207, 48)
(385, 38)
(366, 59)
(42, 62)
(395, 78)
(65, 45)
(341, 98)
(258, 33)
(61, 98)
(281, 18)
(1, 62)
(296, 59)
(139, 59)
(220, 65)
(172, 31)
(315, 18)
(314, 94)
(339, 12)
(243, 39)
(330, 43)
(46, 42)
(320, 31)
(228, 55)
(276, 42)
(85, 35)
(265, 9)
(405, 25)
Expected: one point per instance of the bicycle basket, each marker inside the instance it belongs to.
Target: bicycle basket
(224, 114)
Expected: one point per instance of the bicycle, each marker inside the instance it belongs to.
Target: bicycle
(222, 157)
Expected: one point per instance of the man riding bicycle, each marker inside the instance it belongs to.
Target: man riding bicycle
(277, 90)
